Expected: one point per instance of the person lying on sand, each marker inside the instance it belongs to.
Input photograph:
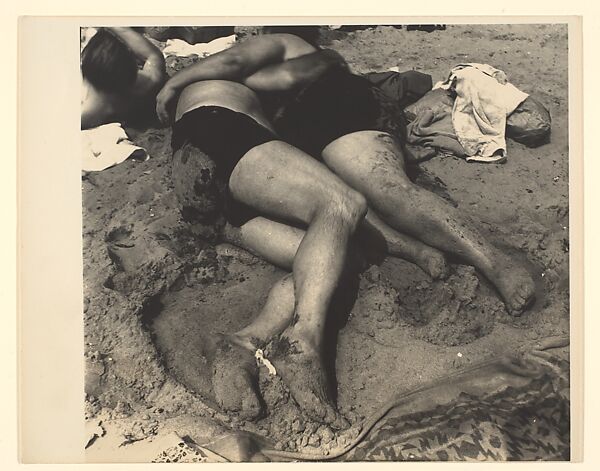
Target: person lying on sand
(114, 87)
(319, 162)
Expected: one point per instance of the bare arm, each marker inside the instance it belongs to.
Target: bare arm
(295, 73)
(153, 72)
(235, 64)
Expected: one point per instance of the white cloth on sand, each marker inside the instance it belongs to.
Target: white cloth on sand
(181, 48)
(85, 34)
(484, 98)
(106, 146)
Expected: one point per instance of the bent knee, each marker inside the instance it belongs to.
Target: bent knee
(348, 206)
(358, 204)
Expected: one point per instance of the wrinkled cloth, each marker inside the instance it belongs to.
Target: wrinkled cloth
(106, 146)
(181, 48)
(191, 34)
(530, 123)
(403, 88)
(393, 91)
(435, 130)
(515, 408)
(175, 449)
(484, 98)
(430, 124)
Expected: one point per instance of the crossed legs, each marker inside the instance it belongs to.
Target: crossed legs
(277, 243)
(371, 163)
(283, 182)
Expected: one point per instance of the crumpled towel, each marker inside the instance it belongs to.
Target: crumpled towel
(106, 146)
(85, 34)
(181, 48)
(484, 98)
(430, 130)
(434, 130)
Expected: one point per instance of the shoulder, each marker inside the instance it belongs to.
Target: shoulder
(294, 45)
(289, 45)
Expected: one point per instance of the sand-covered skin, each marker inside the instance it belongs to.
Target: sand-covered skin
(156, 292)
(235, 380)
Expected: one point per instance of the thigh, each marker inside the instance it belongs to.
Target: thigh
(371, 162)
(273, 241)
(281, 181)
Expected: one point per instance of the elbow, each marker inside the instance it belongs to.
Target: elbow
(156, 70)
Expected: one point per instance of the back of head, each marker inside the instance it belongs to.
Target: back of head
(108, 64)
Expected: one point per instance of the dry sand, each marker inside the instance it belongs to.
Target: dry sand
(155, 294)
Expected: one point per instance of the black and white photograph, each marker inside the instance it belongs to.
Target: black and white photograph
(326, 242)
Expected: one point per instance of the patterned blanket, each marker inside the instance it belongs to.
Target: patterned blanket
(523, 416)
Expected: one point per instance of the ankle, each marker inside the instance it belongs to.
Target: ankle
(308, 338)
(245, 341)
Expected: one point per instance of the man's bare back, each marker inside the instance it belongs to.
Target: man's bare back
(270, 63)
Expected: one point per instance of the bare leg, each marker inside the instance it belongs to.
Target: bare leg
(372, 163)
(234, 371)
(430, 260)
(281, 181)
(278, 243)
(275, 242)
(275, 316)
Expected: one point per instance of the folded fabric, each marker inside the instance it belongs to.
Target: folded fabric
(484, 98)
(393, 91)
(436, 131)
(181, 48)
(507, 409)
(430, 124)
(403, 88)
(530, 123)
(512, 407)
(106, 146)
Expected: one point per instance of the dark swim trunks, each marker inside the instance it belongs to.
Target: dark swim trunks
(220, 133)
(337, 104)
(225, 136)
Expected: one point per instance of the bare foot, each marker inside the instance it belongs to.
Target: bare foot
(515, 285)
(302, 370)
(432, 262)
(234, 379)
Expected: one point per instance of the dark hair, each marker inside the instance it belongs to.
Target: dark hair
(108, 64)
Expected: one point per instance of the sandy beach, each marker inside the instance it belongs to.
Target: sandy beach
(156, 293)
